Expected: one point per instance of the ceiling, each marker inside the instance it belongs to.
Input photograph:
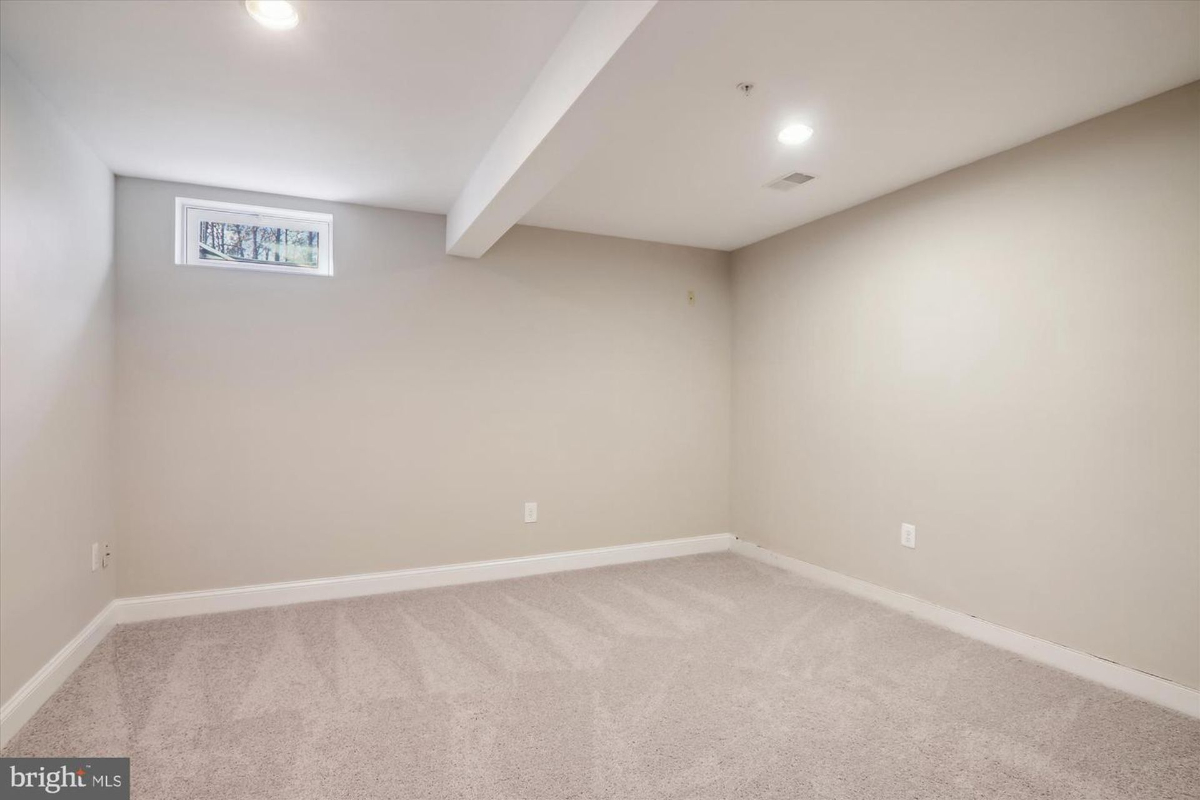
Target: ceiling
(389, 104)
(896, 92)
(395, 104)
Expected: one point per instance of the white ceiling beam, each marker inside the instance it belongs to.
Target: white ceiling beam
(549, 131)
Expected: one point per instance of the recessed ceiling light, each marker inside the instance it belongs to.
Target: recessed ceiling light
(278, 15)
(795, 134)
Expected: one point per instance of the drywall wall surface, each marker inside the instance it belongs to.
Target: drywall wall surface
(401, 413)
(56, 381)
(1006, 356)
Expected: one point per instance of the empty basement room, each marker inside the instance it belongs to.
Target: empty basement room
(633, 399)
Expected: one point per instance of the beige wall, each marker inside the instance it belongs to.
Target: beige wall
(277, 427)
(56, 357)
(1008, 357)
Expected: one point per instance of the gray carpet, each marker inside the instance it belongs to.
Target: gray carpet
(701, 677)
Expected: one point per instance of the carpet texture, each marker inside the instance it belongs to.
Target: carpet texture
(701, 677)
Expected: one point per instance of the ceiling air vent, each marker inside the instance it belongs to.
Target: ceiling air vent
(789, 181)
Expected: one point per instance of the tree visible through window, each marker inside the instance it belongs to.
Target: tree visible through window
(257, 244)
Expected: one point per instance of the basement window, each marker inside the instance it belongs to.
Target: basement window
(236, 236)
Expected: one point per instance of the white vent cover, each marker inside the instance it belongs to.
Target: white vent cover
(790, 181)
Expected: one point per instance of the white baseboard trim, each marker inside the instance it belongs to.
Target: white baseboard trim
(1115, 676)
(37, 690)
(139, 609)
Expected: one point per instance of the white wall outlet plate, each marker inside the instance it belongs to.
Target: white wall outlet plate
(531, 512)
(908, 535)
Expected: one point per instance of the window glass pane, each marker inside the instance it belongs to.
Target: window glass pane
(210, 233)
(259, 244)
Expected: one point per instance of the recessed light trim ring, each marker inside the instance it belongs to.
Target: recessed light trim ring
(277, 15)
(795, 134)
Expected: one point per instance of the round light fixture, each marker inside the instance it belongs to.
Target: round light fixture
(278, 15)
(795, 134)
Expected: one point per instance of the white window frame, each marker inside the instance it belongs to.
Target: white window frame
(190, 212)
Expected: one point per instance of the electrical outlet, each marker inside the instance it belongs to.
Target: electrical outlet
(95, 556)
(908, 535)
(107, 555)
(531, 512)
